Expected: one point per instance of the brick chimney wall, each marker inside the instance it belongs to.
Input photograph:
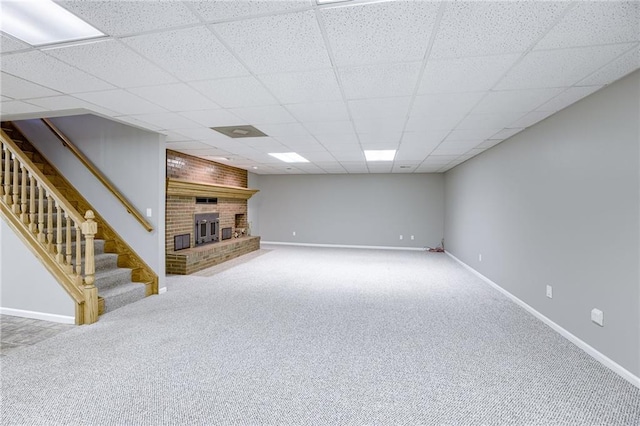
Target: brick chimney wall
(180, 210)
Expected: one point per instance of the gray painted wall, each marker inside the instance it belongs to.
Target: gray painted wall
(558, 204)
(40, 292)
(367, 210)
(254, 203)
(132, 159)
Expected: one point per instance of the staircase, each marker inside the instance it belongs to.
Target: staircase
(120, 276)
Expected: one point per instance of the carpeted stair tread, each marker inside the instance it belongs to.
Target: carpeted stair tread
(123, 294)
(105, 262)
(111, 278)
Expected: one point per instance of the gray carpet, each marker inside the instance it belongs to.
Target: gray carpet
(317, 336)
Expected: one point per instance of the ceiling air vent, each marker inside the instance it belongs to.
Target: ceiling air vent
(239, 131)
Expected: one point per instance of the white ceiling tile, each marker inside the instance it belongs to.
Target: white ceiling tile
(427, 138)
(380, 166)
(454, 148)
(566, 98)
(488, 28)
(379, 32)
(189, 54)
(489, 121)
(319, 111)
(65, 102)
(314, 156)
(376, 126)
(591, 23)
(304, 86)
(427, 122)
(465, 74)
(301, 144)
(175, 97)
(271, 114)
(173, 137)
(167, 120)
(439, 160)
(18, 107)
(378, 81)
(319, 128)
(130, 70)
(530, 118)
(470, 134)
(404, 167)
(506, 133)
(187, 145)
(18, 88)
(445, 103)
(614, 70)
(130, 17)
(137, 123)
(121, 102)
(235, 92)
(275, 44)
(489, 143)
(380, 138)
(348, 155)
(219, 10)
(213, 118)
(426, 168)
(8, 44)
(515, 100)
(387, 108)
(203, 134)
(559, 68)
(334, 141)
(58, 76)
(414, 152)
(285, 129)
(262, 144)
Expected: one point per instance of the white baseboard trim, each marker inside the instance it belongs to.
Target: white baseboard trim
(162, 290)
(278, 243)
(62, 319)
(599, 356)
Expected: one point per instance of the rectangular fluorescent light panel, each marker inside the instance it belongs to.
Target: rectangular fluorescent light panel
(41, 22)
(380, 154)
(289, 157)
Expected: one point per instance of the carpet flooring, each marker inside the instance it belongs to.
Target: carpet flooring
(315, 336)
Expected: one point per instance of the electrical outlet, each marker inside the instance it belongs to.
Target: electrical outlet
(294, 233)
(148, 212)
(412, 237)
(597, 316)
(401, 237)
(480, 257)
(550, 292)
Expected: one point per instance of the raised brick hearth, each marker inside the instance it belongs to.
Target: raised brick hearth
(191, 177)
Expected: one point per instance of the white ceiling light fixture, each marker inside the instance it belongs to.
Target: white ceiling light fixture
(42, 22)
(380, 154)
(289, 157)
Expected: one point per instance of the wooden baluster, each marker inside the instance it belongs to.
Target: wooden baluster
(41, 235)
(3, 153)
(59, 255)
(32, 203)
(89, 230)
(50, 223)
(7, 176)
(68, 266)
(23, 195)
(78, 254)
(16, 195)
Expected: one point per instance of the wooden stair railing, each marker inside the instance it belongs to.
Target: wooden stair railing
(29, 201)
(66, 142)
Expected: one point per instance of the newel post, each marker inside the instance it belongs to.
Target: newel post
(89, 230)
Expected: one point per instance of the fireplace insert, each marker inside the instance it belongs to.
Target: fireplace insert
(207, 228)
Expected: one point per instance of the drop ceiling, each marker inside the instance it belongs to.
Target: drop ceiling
(440, 82)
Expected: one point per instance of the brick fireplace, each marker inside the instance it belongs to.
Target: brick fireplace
(208, 197)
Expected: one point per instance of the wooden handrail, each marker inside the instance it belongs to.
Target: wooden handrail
(98, 174)
(41, 178)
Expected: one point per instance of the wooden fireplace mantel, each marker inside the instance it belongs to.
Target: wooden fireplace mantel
(201, 189)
